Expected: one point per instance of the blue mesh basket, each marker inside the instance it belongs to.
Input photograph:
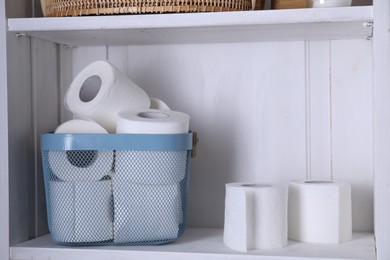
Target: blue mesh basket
(116, 189)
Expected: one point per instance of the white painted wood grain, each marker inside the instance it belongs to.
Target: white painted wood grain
(45, 97)
(118, 56)
(318, 110)
(247, 101)
(83, 56)
(382, 127)
(352, 125)
(20, 140)
(65, 78)
(4, 189)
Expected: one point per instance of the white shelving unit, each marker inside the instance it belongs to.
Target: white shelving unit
(252, 26)
(201, 244)
(267, 25)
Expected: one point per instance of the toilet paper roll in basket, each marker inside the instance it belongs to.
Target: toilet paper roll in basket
(152, 121)
(156, 103)
(320, 211)
(84, 164)
(145, 213)
(80, 212)
(156, 167)
(147, 184)
(255, 216)
(100, 91)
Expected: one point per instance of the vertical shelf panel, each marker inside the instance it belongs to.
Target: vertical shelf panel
(382, 127)
(318, 109)
(352, 125)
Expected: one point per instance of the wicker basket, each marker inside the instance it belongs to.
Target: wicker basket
(289, 4)
(111, 7)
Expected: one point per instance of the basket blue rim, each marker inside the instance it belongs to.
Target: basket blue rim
(142, 142)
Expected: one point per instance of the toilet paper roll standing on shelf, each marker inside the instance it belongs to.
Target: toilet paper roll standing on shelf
(320, 211)
(156, 103)
(255, 216)
(145, 213)
(80, 212)
(100, 91)
(152, 167)
(84, 164)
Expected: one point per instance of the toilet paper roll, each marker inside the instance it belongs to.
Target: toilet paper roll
(151, 167)
(255, 216)
(152, 121)
(329, 3)
(80, 212)
(145, 213)
(80, 165)
(100, 91)
(156, 103)
(320, 211)
(80, 126)
(156, 167)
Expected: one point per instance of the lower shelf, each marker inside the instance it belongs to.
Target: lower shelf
(196, 243)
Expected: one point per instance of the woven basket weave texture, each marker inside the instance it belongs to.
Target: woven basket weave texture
(110, 7)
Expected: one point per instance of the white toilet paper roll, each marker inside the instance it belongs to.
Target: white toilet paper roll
(156, 103)
(152, 121)
(146, 212)
(81, 212)
(100, 91)
(80, 165)
(329, 3)
(80, 126)
(320, 211)
(151, 167)
(255, 216)
(157, 167)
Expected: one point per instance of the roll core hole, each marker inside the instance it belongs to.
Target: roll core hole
(153, 115)
(90, 88)
(81, 159)
(256, 185)
(318, 182)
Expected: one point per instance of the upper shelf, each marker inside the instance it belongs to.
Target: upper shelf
(245, 26)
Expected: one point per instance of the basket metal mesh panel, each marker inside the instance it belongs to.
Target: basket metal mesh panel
(124, 197)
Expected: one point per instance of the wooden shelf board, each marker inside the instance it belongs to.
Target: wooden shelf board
(243, 26)
(197, 243)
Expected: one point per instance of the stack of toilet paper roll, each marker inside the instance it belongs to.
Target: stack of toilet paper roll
(80, 195)
(122, 196)
(137, 181)
(263, 216)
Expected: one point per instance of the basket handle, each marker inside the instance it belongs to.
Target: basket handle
(195, 141)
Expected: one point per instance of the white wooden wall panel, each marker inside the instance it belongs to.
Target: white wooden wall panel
(264, 112)
(117, 55)
(21, 141)
(65, 78)
(318, 110)
(45, 97)
(83, 56)
(352, 125)
(4, 195)
(247, 101)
